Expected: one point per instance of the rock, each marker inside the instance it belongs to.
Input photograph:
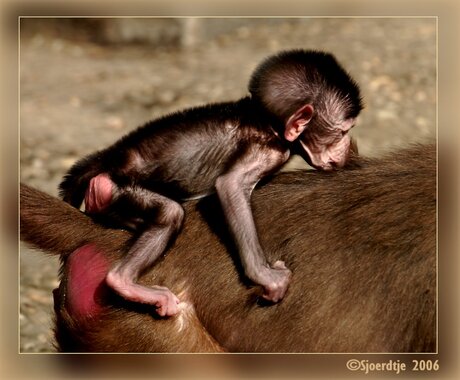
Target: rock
(114, 122)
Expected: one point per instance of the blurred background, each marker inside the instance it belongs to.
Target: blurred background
(86, 82)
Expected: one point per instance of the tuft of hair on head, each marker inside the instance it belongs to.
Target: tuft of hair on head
(290, 79)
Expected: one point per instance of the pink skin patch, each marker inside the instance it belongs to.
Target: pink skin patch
(86, 288)
(98, 194)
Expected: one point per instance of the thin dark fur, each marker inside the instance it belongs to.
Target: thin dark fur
(140, 181)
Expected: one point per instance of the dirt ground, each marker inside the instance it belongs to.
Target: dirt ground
(77, 96)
